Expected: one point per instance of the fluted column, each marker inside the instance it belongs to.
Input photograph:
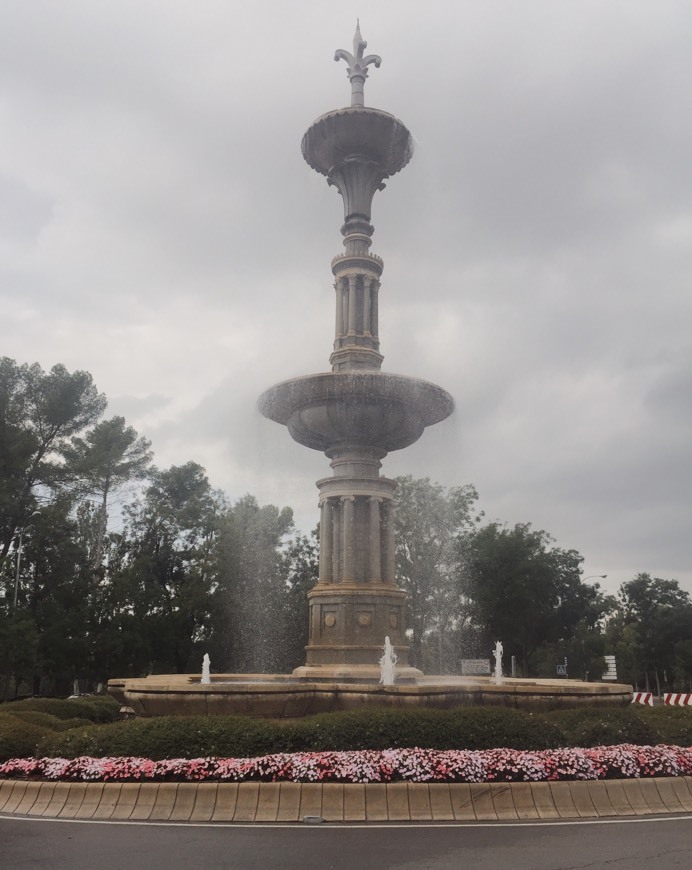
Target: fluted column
(367, 295)
(339, 287)
(326, 538)
(352, 310)
(375, 539)
(336, 541)
(348, 503)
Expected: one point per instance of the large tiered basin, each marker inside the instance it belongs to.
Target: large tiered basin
(283, 697)
(368, 133)
(362, 408)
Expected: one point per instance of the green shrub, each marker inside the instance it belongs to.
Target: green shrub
(240, 737)
(171, 737)
(673, 724)
(491, 727)
(459, 728)
(43, 720)
(98, 708)
(19, 739)
(594, 726)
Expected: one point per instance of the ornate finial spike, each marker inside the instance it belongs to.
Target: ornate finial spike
(357, 70)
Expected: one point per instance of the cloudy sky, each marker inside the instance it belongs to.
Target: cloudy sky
(159, 228)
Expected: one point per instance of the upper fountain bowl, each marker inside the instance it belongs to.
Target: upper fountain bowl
(365, 408)
(357, 131)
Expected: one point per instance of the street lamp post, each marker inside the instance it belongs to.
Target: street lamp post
(19, 560)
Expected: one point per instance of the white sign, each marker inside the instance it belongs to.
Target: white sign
(475, 667)
(611, 670)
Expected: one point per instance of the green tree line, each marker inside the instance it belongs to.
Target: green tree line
(177, 570)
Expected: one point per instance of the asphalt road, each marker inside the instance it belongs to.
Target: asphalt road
(637, 845)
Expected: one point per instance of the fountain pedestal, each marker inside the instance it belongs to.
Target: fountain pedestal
(356, 414)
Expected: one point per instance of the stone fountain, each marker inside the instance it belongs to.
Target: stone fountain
(355, 414)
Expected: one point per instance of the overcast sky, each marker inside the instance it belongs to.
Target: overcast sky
(160, 229)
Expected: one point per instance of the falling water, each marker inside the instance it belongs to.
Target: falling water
(498, 662)
(206, 661)
(388, 664)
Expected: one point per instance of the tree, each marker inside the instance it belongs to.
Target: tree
(107, 457)
(524, 591)
(55, 590)
(655, 616)
(39, 413)
(431, 524)
(161, 589)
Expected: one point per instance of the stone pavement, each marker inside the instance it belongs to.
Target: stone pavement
(335, 802)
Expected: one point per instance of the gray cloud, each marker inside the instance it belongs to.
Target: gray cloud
(159, 228)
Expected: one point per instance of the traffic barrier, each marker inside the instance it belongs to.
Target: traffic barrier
(678, 699)
(646, 698)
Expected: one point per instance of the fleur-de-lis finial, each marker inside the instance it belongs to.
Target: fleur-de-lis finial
(357, 65)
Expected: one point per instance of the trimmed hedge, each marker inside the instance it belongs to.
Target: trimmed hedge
(674, 724)
(170, 737)
(43, 720)
(98, 708)
(25, 724)
(589, 727)
(19, 739)
(240, 737)
(460, 728)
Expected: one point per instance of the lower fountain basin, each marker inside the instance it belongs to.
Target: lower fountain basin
(279, 696)
(365, 408)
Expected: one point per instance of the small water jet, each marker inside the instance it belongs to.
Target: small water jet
(497, 652)
(206, 677)
(388, 664)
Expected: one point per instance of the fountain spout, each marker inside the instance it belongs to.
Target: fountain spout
(206, 678)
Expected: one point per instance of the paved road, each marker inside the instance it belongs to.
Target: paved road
(639, 845)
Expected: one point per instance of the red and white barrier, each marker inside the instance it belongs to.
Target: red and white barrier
(646, 698)
(678, 699)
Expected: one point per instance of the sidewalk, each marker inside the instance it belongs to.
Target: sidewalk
(335, 802)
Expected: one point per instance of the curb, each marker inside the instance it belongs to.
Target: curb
(336, 802)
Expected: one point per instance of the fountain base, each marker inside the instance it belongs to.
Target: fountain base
(281, 696)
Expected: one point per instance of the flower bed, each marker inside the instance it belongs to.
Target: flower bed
(390, 765)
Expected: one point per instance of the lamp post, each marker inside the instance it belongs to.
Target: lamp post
(19, 559)
(594, 577)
